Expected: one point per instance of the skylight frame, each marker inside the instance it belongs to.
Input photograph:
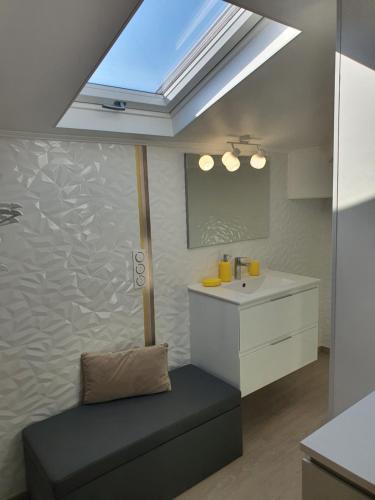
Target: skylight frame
(95, 93)
(260, 44)
(228, 30)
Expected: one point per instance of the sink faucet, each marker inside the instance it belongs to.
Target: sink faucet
(238, 263)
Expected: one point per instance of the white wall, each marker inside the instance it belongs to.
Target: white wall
(68, 288)
(69, 285)
(353, 367)
(300, 242)
(310, 173)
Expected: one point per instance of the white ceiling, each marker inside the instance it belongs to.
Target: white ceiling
(49, 48)
(288, 102)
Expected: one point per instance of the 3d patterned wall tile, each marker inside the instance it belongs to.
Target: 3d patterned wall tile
(68, 287)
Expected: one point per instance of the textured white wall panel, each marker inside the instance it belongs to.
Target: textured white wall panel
(299, 242)
(69, 285)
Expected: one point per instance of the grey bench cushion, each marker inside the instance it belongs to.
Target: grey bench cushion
(85, 442)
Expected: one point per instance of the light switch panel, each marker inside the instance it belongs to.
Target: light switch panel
(139, 268)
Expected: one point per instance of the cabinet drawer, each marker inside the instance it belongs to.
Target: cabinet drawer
(266, 322)
(319, 483)
(267, 364)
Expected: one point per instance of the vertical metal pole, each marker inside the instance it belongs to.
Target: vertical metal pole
(146, 242)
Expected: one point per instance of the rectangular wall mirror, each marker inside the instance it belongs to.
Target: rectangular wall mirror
(224, 207)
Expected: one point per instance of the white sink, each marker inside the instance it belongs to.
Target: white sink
(261, 283)
(269, 285)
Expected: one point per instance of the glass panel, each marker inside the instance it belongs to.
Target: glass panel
(158, 37)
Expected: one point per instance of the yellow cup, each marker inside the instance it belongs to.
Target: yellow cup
(225, 271)
(254, 268)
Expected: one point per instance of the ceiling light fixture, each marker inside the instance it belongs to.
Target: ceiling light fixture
(206, 162)
(258, 160)
(230, 159)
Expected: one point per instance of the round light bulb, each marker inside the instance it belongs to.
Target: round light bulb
(206, 162)
(230, 161)
(258, 161)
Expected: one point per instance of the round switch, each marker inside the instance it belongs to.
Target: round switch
(140, 269)
(140, 280)
(139, 257)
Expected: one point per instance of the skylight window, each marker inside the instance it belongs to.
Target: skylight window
(173, 61)
(158, 40)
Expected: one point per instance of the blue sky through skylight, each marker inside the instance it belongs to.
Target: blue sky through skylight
(157, 38)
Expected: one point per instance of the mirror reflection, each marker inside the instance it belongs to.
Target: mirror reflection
(224, 207)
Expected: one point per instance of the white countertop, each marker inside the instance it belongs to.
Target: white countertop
(346, 445)
(269, 285)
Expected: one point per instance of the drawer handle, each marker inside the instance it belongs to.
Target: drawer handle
(281, 340)
(283, 297)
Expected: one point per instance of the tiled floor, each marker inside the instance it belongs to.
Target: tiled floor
(275, 419)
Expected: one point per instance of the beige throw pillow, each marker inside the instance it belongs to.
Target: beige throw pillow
(114, 375)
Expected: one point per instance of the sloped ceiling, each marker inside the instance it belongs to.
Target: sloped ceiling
(288, 102)
(49, 48)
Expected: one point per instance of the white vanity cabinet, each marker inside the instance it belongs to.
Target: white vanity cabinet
(255, 340)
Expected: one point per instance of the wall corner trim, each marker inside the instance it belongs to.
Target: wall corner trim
(146, 242)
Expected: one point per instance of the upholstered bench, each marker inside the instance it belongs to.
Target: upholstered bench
(146, 447)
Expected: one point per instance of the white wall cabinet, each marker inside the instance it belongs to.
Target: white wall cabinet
(250, 346)
(309, 174)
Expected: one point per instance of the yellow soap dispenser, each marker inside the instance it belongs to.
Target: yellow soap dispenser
(225, 269)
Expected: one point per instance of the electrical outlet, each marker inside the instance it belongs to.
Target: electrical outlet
(139, 268)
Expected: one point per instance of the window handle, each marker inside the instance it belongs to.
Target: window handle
(116, 106)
